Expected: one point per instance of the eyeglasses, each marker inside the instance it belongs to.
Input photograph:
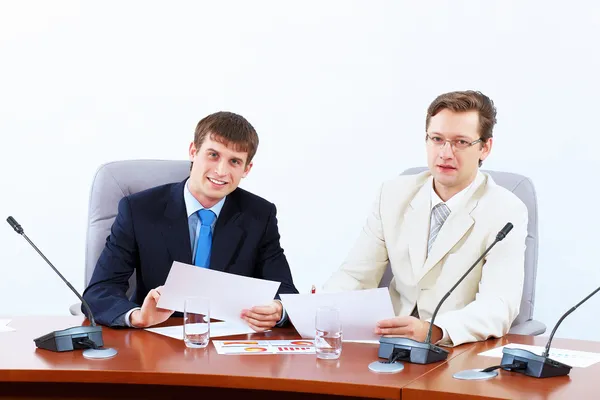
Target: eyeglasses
(456, 144)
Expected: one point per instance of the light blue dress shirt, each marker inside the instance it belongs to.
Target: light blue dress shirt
(192, 206)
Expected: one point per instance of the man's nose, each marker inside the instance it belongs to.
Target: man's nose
(221, 168)
(446, 151)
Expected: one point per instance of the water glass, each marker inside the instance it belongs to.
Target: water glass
(196, 322)
(328, 336)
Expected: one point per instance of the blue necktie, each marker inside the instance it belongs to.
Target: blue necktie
(204, 239)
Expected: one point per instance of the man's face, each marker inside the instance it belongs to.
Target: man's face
(216, 172)
(452, 169)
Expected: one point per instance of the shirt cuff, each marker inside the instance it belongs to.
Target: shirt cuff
(126, 317)
(283, 319)
(445, 340)
(445, 336)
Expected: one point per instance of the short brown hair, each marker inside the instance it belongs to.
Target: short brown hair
(230, 129)
(462, 101)
(469, 100)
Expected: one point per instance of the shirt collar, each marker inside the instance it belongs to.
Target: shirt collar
(192, 205)
(456, 201)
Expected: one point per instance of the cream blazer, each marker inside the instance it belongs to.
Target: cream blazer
(396, 232)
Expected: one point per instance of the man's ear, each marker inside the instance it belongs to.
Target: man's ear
(486, 149)
(247, 170)
(192, 151)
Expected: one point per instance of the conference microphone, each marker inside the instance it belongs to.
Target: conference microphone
(78, 337)
(413, 351)
(531, 364)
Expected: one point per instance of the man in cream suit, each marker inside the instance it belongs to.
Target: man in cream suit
(433, 226)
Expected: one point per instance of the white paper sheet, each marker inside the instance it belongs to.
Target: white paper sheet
(217, 329)
(359, 311)
(229, 294)
(574, 358)
(362, 341)
(4, 326)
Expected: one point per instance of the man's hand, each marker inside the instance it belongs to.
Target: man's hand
(150, 315)
(410, 327)
(262, 318)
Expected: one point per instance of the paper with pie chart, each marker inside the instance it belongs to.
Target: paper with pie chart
(258, 347)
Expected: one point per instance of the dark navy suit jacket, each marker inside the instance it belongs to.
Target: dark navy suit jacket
(151, 231)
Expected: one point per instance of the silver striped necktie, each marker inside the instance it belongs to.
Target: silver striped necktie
(439, 214)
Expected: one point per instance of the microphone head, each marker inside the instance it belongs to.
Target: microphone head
(15, 225)
(502, 234)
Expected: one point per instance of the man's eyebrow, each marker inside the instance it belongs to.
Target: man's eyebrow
(467, 138)
(464, 137)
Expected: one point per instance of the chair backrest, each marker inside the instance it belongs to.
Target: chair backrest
(111, 183)
(523, 188)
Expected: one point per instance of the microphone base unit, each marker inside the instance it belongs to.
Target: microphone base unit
(536, 366)
(78, 337)
(409, 350)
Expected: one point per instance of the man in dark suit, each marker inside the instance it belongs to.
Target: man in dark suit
(206, 220)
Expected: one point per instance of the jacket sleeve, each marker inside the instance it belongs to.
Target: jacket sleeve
(106, 292)
(271, 262)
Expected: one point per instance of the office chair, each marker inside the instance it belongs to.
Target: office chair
(111, 183)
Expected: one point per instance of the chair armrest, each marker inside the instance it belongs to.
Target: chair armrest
(75, 309)
(531, 327)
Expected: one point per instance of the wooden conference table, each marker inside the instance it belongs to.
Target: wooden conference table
(152, 366)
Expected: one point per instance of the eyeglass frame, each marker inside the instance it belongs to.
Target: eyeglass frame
(452, 142)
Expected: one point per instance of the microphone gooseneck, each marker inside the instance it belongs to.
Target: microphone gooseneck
(500, 236)
(15, 225)
(547, 349)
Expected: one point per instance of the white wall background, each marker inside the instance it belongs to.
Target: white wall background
(337, 91)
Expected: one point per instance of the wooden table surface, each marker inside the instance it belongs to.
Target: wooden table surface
(152, 366)
(581, 383)
(148, 362)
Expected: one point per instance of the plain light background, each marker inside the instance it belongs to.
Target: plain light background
(337, 91)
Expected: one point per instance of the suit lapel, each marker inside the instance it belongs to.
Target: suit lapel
(455, 227)
(417, 224)
(227, 233)
(175, 227)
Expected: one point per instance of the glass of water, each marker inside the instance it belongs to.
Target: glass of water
(328, 336)
(196, 322)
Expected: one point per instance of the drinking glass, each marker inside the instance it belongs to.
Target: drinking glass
(196, 322)
(328, 333)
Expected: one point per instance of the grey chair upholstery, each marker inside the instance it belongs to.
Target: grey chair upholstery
(110, 184)
(523, 188)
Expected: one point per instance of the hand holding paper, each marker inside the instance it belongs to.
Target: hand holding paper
(229, 294)
(261, 318)
(150, 314)
(359, 311)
